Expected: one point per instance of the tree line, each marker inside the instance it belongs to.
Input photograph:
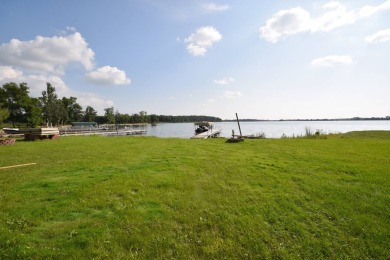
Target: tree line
(18, 108)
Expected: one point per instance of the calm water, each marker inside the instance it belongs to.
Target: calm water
(271, 129)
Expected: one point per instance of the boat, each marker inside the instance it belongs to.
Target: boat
(11, 131)
(204, 130)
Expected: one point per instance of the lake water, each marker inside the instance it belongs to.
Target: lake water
(272, 129)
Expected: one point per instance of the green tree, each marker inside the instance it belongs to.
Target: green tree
(15, 99)
(153, 119)
(136, 118)
(123, 118)
(4, 114)
(109, 115)
(73, 109)
(143, 117)
(61, 114)
(34, 112)
(49, 104)
(89, 114)
(100, 120)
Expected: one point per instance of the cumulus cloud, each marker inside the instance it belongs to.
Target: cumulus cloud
(369, 10)
(91, 99)
(336, 15)
(284, 23)
(199, 42)
(35, 82)
(47, 54)
(296, 20)
(45, 59)
(231, 94)
(224, 81)
(212, 7)
(9, 73)
(381, 36)
(333, 60)
(108, 75)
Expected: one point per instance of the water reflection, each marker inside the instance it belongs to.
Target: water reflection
(272, 129)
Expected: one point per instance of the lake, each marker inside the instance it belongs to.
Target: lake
(272, 129)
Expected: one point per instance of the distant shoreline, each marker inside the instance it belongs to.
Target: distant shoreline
(304, 120)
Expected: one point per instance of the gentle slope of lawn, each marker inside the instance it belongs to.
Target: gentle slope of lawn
(123, 197)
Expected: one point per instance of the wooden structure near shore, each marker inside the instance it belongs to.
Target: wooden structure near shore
(32, 134)
(107, 130)
(236, 138)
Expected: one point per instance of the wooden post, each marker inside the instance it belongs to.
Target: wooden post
(239, 128)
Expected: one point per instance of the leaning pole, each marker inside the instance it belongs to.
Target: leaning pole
(239, 127)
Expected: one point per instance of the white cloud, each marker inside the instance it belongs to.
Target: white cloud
(286, 22)
(333, 60)
(35, 82)
(381, 36)
(108, 76)
(9, 73)
(296, 20)
(95, 101)
(224, 81)
(231, 94)
(336, 15)
(45, 59)
(47, 54)
(199, 42)
(369, 10)
(196, 50)
(212, 7)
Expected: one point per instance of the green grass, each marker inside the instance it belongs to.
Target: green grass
(145, 197)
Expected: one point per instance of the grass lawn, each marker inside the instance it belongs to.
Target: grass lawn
(145, 197)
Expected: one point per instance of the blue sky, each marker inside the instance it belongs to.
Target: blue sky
(265, 60)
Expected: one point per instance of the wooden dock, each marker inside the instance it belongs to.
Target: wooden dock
(128, 132)
(40, 133)
(103, 132)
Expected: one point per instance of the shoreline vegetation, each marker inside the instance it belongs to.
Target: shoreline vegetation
(147, 197)
(19, 109)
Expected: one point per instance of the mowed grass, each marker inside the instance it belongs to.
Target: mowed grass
(145, 197)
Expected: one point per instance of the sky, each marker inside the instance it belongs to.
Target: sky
(261, 59)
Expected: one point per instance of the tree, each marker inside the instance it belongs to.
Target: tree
(100, 120)
(89, 114)
(73, 109)
(153, 119)
(109, 115)
(4, 114)
(61, 114)
(143, 116)
(49, 104)
(15, 99)
(122, 118)
(136, 118)
(34, 112)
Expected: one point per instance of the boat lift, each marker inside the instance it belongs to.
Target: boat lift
(204, 130)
